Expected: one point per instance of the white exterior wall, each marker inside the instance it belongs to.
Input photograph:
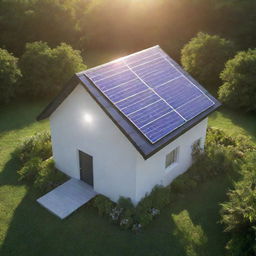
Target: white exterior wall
(114, 157)
(152, 171)
(118, 168)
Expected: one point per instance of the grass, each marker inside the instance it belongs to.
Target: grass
(234, 123)
(188, 227)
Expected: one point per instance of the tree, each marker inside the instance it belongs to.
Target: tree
(9, 75)
(239, 81)
(239, 212)
(204, 57)
(45, 70)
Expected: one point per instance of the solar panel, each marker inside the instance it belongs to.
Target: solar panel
(150, 91)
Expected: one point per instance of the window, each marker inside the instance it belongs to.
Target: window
(171, 157)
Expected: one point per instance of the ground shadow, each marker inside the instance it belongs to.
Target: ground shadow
(246, 121)
(16, 115)
(34, 231)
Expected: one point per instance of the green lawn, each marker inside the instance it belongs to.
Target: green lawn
(188, 227)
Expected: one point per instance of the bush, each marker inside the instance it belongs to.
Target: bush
(45, 70)
(38, 145)
(204, 57)
(48, 177)
(103, 204)
(239, 82)
(9, 76)
(38, 166)
(160, 197)
(31, 168)
(238, 214)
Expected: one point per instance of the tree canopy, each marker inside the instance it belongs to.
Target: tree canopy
(239, 81)
(9, 75)
(46, 69)
(204, 57)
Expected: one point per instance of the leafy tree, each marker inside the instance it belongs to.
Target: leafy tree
(9, 75)
(46, 69)
(239, 212)
(204, 57)
(239, 81)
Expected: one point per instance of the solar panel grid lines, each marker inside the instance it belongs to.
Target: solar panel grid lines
(150, 91)
(156, 93)
(143, 107)
(113, 62)
(167, 58)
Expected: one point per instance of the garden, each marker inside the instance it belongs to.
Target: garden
(209, 210)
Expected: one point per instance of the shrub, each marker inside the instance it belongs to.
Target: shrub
(238, 214)
(126, 223)
(103, 204)
(48, 177)
(145, 219)
(239, 81)
(160, 197)
(9, 76)
(183, 184)
(124, 202)
(204, 57)
(219, 137)
(144, 205)
(38, 145)
(45, 70)
(31, 168)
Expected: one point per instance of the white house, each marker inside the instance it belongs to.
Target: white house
(128, 125)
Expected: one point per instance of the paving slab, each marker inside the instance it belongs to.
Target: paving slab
(68, 197)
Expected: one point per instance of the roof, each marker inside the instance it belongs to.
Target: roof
(96, 79)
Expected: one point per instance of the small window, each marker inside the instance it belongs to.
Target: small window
(171, 157)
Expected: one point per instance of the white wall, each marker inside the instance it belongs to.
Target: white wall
(152, 171)
(119, 169)
(114, 157)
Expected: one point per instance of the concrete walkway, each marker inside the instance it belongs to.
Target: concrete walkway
(67, 198)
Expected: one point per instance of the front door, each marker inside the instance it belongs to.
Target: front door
(86, 168)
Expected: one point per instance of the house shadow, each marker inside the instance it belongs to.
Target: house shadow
(34, 231)
(189, 227)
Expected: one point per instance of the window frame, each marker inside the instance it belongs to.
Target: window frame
(175, 158)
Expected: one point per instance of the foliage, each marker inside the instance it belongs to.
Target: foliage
(38, 145)
(45, 70)
(239, 212)
(160, 197)
(204, 57)
(103, 205)
(9, 76)
(53, 21)
(239, 81)
(48, 177)
(128, 216)
(223, 154)
(38, 166)
(130, 25)
(30, 169)
(124, 202)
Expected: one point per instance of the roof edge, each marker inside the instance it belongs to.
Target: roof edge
(59, 98)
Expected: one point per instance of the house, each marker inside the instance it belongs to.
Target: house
(130, 124)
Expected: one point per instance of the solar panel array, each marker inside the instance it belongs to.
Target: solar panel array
(150, 91)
